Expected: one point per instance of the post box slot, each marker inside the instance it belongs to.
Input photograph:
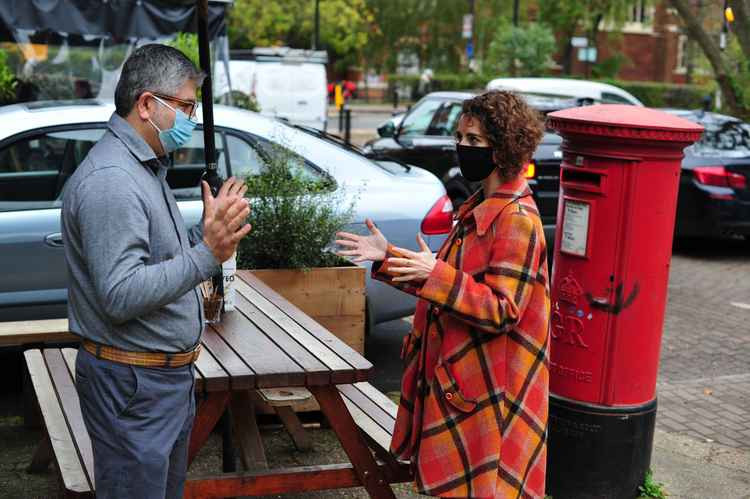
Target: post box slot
(581, 177)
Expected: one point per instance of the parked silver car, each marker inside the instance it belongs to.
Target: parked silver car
(41, 144)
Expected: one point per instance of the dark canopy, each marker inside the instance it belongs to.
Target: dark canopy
(119, 19)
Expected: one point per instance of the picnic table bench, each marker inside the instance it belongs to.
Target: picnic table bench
(266, 343)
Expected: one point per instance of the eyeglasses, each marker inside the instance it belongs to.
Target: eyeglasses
(186, 104)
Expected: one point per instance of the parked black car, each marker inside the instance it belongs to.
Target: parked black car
(714, 198)
(424, 137)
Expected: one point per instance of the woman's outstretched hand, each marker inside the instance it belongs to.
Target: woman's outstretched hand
(415, 266)
(362, 248)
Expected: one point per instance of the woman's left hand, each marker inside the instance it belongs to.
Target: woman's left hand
(417, 266)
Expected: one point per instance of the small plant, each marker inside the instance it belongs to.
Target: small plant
(244, 101)
(295, 215)
(650, 488)
(187, 43)
(7, 81)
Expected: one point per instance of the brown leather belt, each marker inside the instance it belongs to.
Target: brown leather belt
(142, 359)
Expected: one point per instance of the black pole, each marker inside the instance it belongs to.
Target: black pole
(228, 459)
(347, 126)
(316, 40)
(515, 12)
(211, 175)
(204, 53)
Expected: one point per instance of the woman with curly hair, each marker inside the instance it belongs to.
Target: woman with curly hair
(473, 413)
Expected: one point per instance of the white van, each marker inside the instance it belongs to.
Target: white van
(289, 84)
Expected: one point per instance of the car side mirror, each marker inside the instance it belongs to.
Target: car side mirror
(387, 130)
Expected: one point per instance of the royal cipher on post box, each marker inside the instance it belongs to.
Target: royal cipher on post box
(615, 222)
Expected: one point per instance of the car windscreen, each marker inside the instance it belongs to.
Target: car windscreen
(727, 138)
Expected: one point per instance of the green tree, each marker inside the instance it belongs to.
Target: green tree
(344, 25)
(521, 50)
(731, 69)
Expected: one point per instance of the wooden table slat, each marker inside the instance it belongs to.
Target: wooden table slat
(66, 455)
(240, 375)
(324, 345)
(354, 358)
(373, 411)
(380, 398)
(374, 430)
(271, 365)
(213, 376)
(316, 372)
(39, 331)
(62, 376)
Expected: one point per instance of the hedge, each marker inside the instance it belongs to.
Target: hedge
(658, 94)
(652, 94)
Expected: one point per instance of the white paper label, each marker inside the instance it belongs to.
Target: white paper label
(575, 229)
(229, 268)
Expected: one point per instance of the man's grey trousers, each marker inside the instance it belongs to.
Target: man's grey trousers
(139, 420)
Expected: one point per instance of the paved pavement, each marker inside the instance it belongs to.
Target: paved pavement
(704, 375)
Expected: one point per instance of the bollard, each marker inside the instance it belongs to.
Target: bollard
(347, 126)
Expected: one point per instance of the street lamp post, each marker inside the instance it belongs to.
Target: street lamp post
(316, 39)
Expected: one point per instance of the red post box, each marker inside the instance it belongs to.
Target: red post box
(615, 223)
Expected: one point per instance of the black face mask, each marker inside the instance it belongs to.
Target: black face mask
(476, 163)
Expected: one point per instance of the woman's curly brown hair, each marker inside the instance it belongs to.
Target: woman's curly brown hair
(513, 128)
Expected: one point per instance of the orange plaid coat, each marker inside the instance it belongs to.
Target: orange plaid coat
(473, 412)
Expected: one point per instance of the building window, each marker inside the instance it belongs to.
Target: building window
(641, 13)
(682, 55)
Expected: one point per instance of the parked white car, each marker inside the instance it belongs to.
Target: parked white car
(566, 88)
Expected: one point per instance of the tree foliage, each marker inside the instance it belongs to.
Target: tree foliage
(521, 51)
(344, 25)
(731, 68)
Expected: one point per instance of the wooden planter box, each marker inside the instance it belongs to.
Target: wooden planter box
(332, 296)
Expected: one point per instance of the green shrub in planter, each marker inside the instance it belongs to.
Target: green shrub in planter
(294, 217)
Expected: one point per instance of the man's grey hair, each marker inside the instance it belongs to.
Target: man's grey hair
(153, 68)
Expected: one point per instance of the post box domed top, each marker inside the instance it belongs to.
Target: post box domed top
(623, 121)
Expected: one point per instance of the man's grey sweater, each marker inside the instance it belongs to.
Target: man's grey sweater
(133, 266)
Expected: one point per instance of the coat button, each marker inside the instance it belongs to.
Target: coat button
(459, 241)
(449, 396)
(435, 312)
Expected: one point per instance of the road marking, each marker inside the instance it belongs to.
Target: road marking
(737, 304)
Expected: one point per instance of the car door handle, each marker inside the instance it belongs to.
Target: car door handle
(55, 240)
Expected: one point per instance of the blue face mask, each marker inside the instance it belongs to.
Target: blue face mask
(180, 133)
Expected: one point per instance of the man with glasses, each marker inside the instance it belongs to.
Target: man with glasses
(134, 269)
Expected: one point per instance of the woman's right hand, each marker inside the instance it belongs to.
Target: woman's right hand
(362, 248)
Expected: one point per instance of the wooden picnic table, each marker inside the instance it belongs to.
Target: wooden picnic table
(265, 343)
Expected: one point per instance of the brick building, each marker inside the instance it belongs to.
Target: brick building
(651, 45)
